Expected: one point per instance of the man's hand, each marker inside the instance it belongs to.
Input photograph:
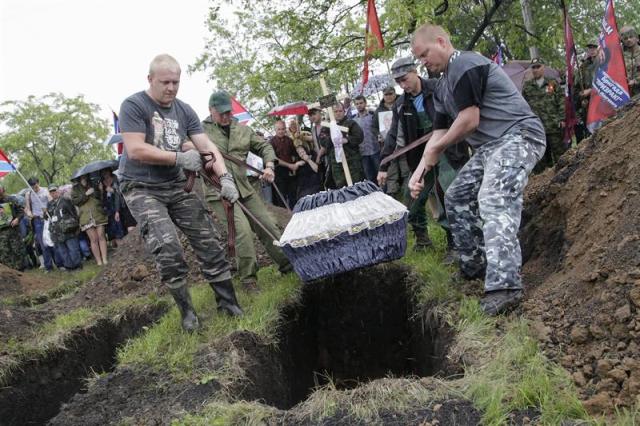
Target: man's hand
(268, 175)
(116, 216)
(189, 160)
(228, 189)
(14, 222)
(89, 191)
(381, 178)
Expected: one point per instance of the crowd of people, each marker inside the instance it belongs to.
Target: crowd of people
(62, 226)
(487, 137)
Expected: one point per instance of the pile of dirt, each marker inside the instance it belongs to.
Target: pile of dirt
(581, 248)
(16, 283)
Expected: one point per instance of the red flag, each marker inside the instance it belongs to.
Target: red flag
(610, 89)
(372, 38)
(571, 62)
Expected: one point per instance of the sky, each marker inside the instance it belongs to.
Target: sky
(99, 48)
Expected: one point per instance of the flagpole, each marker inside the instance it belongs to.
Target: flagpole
(24, 180)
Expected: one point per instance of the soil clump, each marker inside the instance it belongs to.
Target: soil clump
(581, 253)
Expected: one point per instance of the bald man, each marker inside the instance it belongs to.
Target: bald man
(154, 125)
(476, 101)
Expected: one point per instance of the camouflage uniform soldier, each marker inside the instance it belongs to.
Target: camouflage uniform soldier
(631, 51)
(546, 98)
(236, 140)
(582, 83)
(350, 147)
(476, 101)
(154, 127)
(12, 250)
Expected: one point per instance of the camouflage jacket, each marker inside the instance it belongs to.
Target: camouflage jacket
(11, 209)
(547, 102)
(583, 80)
(64, 220)
(632, 65)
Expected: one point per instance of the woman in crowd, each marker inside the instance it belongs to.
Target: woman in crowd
(113, 202)
(309, 176)
(92, 216)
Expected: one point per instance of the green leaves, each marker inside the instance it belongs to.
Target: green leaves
(51, 136)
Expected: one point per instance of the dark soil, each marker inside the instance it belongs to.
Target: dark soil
(355, 328)
(39, 385)
(581, 247)
(16, 283)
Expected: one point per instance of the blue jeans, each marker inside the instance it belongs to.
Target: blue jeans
(370, 165)
(84, 245)
(69, 252)
(38, 227)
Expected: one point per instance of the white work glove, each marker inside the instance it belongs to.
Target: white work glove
(337, 139)
(189, 160)
(228, 189)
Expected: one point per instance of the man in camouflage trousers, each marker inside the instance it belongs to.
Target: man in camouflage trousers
(631, 52)
(237, 141)
(477, 102)
(12, 250)
(155, 125)
(546, 98)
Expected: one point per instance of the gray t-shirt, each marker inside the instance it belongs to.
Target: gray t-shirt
(164, 128)
(471, 79)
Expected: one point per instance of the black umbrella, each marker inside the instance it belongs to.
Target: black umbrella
(95, 166)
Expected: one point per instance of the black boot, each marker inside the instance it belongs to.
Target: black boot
(183, 300)
(226, 298)
(450, 257)
(500, 301)
(423, 242)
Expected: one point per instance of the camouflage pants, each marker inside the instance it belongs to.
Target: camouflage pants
(12, 250)
(157, 209)
(484, 204)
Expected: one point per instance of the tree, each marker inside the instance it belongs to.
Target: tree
(272, 51)
(52, 136)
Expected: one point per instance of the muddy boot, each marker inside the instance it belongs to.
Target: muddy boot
(450, 257)
(500, 301)
(226, 298)
(183, 300)
(423, 242)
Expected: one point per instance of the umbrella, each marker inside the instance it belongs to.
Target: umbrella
(117, 138)
(519, 72)
(375, 84)
(95, 166)
(293, 108)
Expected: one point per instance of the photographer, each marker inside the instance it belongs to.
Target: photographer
(87, 195)
(64, 229)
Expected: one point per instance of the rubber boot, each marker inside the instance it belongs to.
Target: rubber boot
(450, 258)
(185, 306)
(226, 298)
(423, 242)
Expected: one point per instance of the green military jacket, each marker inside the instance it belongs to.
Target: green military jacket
(632, 65)
(583, 80)
(351, 149)
(241, 140)
(6, 215)
(547, 102)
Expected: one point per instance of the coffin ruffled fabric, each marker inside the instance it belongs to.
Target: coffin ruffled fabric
(340, 230)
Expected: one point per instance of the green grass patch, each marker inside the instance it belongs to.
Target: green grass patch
(70, 283)
(166, 348)
(219, 413)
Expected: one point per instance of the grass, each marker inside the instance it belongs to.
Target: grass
(166, 348)
(69, 283)
(221, 413)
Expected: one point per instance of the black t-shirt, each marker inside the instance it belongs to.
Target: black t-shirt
(164, 128)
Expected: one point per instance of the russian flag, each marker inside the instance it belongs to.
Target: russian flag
(5, 165)
(239, 112)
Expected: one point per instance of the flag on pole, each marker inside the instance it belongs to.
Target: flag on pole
(372, 38)
(239, 112)
(610, 89)
(5, 165)
(571, 63)
(116, 130)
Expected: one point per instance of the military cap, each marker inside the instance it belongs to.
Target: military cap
(220, 101)
(402, 67)
(592, 43)
(537, 61)
(628, 32)
(53, 187)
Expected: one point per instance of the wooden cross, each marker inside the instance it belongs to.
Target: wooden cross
(332, 119)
